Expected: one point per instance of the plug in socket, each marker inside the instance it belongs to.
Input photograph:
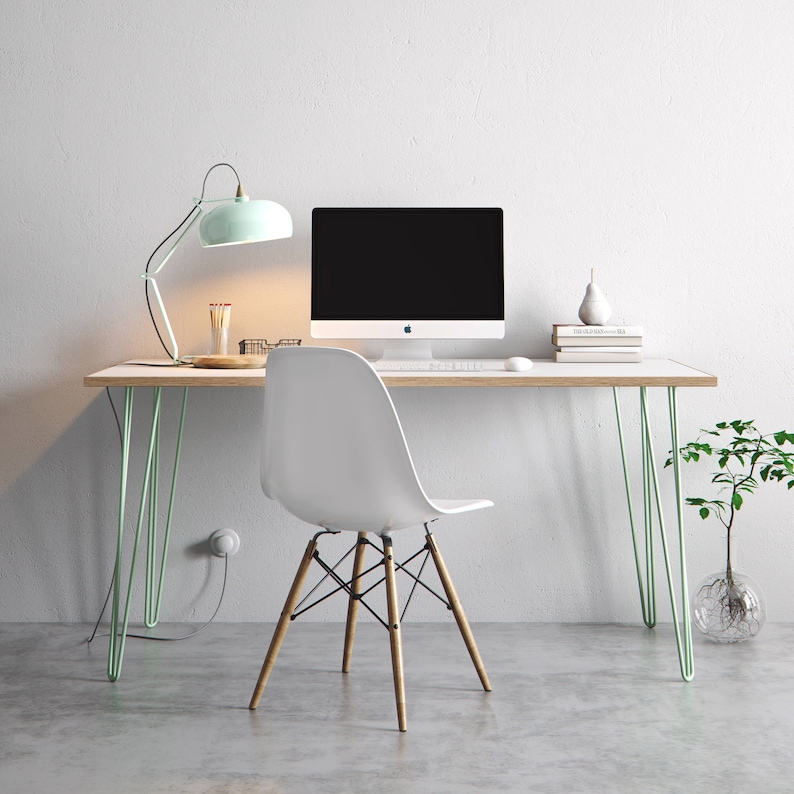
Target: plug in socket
(224, 542)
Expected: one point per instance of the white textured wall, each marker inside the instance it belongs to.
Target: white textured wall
(652, 141)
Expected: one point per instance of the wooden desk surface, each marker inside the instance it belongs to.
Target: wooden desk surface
(651, 372)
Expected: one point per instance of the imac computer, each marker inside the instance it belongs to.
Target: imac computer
(407, 276)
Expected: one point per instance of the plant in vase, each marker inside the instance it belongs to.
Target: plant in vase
(728, 606)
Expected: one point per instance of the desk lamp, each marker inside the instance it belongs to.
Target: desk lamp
(238, 220)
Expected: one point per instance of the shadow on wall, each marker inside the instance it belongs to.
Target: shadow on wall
(53, 499)
(59, 506)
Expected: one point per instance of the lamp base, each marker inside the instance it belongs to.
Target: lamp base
(229, 362)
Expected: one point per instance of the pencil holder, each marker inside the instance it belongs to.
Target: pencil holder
(219, 341)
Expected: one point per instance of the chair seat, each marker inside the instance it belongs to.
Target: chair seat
(384, 524)
(450, 506)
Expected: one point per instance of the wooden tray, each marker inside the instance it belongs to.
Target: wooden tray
(229, 362)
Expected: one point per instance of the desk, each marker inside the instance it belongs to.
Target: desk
(650, 373)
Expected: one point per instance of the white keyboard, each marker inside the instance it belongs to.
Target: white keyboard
(427, 366)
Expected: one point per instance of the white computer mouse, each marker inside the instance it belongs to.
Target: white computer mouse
(518, 364)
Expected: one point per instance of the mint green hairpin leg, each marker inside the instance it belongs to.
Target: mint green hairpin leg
(118, 637)
(116, 646)
(150, 488)
(651, 495)
(154, 586)
(683, 629)
(647, 586)
(685, 652)
(151, 535)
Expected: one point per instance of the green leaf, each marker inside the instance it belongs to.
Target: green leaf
(745, 447)
(765, 472)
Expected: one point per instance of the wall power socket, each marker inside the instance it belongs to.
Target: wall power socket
(224, 542)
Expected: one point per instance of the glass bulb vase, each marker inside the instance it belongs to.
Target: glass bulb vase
(728, 606)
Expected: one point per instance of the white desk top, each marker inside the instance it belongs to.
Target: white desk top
(651, 372)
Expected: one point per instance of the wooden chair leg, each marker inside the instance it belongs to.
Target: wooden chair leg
(352, 604)
(283, 622)
(395, 638)
(457, 610)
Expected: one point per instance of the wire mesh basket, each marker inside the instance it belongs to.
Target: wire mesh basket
(261, 347)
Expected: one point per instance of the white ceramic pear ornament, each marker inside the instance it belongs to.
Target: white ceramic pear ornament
(594, 309)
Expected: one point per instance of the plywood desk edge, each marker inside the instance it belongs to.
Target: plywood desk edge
(692, 377)
(106, 378)
(124, 375)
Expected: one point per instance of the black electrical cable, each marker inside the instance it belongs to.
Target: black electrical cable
(110, 588)
(184, 636)
(187, 217)
(146, 281)
(200, 628)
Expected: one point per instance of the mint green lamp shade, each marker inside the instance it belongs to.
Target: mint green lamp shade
(245, 221)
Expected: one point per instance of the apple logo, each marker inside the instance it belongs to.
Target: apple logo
(407, 329)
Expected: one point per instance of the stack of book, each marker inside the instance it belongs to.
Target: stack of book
(601, 343)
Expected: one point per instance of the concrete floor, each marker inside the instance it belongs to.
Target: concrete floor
(574, 708)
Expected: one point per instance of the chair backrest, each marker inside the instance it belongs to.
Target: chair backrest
(334, 453)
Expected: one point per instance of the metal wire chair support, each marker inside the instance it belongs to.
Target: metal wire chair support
(346, 585)
(418, 580)
(343, 585)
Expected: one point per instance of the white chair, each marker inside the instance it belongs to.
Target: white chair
(335, 456)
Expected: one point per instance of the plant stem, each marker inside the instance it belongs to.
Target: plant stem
(729, 569)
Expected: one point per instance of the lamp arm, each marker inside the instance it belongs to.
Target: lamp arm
(173, 248)
(149, 276)
(174, 347)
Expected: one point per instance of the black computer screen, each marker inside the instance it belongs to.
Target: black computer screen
(407, 263)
